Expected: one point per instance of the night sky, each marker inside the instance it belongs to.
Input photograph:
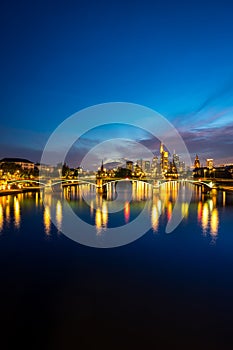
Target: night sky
(58, 57)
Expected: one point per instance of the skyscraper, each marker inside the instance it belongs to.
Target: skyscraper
(164, 162)
(176, 160)
(155, 166)
(210, 163)
(146, 166)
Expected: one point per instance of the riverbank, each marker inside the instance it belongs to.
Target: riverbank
(226, 188)
(37, 188)
(19, 190)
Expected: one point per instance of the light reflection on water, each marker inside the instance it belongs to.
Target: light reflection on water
(101, 218)
(59, 215)
(1, 217)
(127, 211)
(97, 210)
(17, 212)
(208, 213)
(214, 223)
(205, 218)
(154, 218)
(47, 220)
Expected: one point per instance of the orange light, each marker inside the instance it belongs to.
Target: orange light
(205, 217)
(47, 222)
(199, 211)
(154, 218)
(214, 223)
(169, 210)
(17, 212)
(104, 215)
(98, 221)
(59, 215)
(127, 211)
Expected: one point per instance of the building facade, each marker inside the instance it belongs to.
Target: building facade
(24, 163)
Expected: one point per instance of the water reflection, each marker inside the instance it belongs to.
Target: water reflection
(185, 209)
(1, 217)
(205, 218)
(162, 203)
(37, 199)
(50, 204)
(91, 208)
(199, 212)
(98, 221)
(209, 218)
(169, 209)
(154, 218)
(214, 223)
(101, 218)
(7, 212)
(224, 198)
(105, 214)
(96, 208)
(59, 215)
(127, 212)
(47, 220)
(17, 212)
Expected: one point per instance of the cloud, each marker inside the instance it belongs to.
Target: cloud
(7, 150)
(116, 150)
(221, 94)
(210, 142)
(210, 134)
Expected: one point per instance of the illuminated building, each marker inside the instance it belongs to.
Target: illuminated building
(138, 170)
(139, 163)
(101, 171)
(209, 163)
(45, 168)
(196, 162)
(176, 160)
(182, 167)
(155, 166)
(146, 166)
(24, 163)
(171, 172)
(164, 162)
(222, 172)
(129, 165)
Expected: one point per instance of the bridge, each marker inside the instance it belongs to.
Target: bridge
(102, 183)
(47, 184)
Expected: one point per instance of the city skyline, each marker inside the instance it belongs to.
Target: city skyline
(175, 58)
(162, 158)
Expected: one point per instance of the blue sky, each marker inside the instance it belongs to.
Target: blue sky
(58, 57)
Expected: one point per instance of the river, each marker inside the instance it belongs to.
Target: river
(166, 290)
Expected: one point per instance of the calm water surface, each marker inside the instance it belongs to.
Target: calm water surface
(168, 290)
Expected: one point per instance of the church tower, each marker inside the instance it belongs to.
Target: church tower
(196, 162)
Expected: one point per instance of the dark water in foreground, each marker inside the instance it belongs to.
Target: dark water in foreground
(161, 291)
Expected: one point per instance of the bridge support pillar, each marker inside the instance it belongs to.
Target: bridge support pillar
(99, 184)
(205, 189)
(48, 187)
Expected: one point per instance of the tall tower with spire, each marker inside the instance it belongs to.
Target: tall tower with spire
(102, 167)
(163, 160)
(161, 148)
(196, 162)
